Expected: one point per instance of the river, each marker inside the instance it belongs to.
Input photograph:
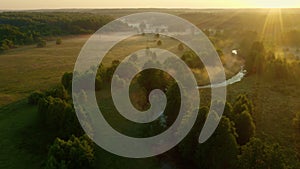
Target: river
(236, 78)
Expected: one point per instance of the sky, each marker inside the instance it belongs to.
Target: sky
(57, 4)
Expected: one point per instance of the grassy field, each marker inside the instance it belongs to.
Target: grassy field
(28, 68)
(15, 119)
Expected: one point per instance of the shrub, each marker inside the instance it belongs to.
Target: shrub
(296, 121)
(159, 43)
(180, 47)
(1, 49)
(58, 41)
(7, 44)
(41, 44)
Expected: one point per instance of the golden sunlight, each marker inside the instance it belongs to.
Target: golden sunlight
(273, 28)
(276, 3)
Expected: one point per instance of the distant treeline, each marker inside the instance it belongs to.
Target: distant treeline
(292, 38)
(22, 28)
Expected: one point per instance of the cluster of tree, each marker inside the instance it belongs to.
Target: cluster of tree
(22, 28)
(257, 154)
(56, 112)
(66, 81)
(56, 92)
(233, 144)
(59, 117)
(259, 61)
(103, 75)
(279, 69)
(71, 154)
(151, 79)
(292, 38)
(71, 149)
(35, 97)
(11, 36)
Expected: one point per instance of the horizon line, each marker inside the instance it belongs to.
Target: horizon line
(120, 8)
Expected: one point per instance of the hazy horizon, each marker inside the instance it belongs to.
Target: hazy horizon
(174, 4)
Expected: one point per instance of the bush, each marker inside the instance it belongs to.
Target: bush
(34, 98)
(2, 49)
(180, 47)
(296, 121)
(7, 44)
(41, 44)
(58, 41)
(159, 43)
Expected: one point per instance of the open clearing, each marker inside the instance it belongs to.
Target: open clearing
(28, 68)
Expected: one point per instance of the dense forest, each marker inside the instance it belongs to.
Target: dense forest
(24, 28)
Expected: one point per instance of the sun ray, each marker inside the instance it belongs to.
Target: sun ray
(273, 29)
(266, 24)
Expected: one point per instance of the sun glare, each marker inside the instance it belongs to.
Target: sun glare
(273, 28)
